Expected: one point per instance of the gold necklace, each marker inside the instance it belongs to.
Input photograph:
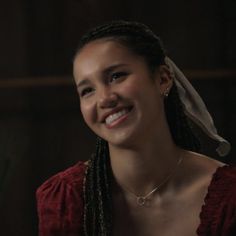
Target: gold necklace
(141, 200)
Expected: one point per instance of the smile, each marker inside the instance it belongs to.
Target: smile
(117, 117)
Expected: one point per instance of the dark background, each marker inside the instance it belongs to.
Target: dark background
(41, 129)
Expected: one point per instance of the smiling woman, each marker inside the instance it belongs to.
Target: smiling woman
(146, 171)
(120, 99)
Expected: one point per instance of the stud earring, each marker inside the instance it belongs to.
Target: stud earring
(166, 93)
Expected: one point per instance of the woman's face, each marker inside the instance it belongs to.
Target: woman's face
(120, 99)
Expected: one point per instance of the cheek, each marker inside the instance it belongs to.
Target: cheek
(88, 113)
(145, 94)
(131, 88)
(139, 88)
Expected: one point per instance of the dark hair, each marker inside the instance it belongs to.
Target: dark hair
(97, 192)
(135, 36)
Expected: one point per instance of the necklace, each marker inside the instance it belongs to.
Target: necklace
(141, 200)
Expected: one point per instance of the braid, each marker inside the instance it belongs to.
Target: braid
(97, 187)
(179, 124)
(136, 36)
(97, 217)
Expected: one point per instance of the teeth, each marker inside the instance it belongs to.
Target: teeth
(116, 116)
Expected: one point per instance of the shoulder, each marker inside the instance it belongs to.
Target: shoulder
(60, 202)
(219, 209)
(216, 171)
(199, 168)
(210, 175)
(224, 181)
(63, 180)
(215, 174)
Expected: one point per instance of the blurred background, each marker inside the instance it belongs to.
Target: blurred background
(41, 129)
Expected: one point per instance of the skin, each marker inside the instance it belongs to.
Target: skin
(111, 78)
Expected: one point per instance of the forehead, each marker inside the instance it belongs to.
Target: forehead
(99, 54)
(103, 46)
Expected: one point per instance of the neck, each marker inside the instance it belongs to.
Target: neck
(144, 167)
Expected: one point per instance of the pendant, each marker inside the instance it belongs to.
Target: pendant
(141, 201)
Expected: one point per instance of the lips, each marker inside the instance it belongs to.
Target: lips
(113, 117)
(116, 115)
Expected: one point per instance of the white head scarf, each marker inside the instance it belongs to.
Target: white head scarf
(195, 108)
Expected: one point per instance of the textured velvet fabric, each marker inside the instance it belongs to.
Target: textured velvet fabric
(218, 215)
(60, 204)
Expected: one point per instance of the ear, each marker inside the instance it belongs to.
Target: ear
(165, 80)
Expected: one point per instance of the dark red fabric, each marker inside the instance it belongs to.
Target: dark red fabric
(218, 215)
(60, 204)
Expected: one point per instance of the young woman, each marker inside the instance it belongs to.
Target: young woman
(146, 176)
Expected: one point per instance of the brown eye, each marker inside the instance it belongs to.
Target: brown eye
(117, 75)
(86, 91)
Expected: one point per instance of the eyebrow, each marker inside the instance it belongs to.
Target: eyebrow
(112, 67)
(105, 71)
(82, 82)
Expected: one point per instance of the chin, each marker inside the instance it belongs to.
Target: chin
(123, 139)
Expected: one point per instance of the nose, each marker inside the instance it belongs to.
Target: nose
(107, 98)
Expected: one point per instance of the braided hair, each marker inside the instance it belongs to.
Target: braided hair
(97, 188)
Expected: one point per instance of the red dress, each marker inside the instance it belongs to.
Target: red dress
(60, 204)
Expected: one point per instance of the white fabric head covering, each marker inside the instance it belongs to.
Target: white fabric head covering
(195, 108)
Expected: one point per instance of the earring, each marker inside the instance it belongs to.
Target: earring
(166, 93)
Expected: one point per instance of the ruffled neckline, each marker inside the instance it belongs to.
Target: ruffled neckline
(219, 184)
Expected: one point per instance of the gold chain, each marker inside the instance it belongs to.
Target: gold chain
(141, 200)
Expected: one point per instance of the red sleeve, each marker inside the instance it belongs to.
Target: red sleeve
(60, 203)
(218, 216)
